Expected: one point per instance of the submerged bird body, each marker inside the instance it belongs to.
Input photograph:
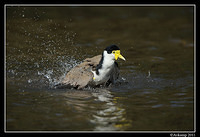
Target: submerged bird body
(98, 70)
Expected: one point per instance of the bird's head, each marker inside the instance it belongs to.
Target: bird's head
(113, 52)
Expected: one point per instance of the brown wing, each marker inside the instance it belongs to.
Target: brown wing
(81, 75)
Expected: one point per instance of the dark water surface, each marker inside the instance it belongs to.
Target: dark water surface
(156, 88)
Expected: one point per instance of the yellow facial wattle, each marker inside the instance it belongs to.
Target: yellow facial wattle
(117, 54)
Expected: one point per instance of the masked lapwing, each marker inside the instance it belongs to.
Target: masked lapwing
(98, 70)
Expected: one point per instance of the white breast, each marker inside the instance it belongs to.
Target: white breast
(106, 69)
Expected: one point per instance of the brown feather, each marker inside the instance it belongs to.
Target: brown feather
(81, 75)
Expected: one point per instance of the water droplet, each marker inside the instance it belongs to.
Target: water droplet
(123, 78)
(29, 81)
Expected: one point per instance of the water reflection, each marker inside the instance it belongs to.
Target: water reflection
(111, 116)
(105, 113)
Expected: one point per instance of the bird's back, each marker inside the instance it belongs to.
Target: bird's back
(81, 75)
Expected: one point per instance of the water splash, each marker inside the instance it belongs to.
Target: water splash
(54, 75)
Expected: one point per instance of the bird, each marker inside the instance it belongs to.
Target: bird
(93, 72)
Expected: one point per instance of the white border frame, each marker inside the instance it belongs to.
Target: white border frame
(100, 5)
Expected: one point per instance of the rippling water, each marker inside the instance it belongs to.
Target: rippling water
(155, 91)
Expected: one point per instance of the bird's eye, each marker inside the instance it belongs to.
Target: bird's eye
(113, 51)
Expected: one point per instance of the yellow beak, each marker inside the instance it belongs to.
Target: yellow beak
(121, 57)
(117, 54)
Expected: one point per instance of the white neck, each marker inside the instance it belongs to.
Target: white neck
(108, 60)
(106, 68)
